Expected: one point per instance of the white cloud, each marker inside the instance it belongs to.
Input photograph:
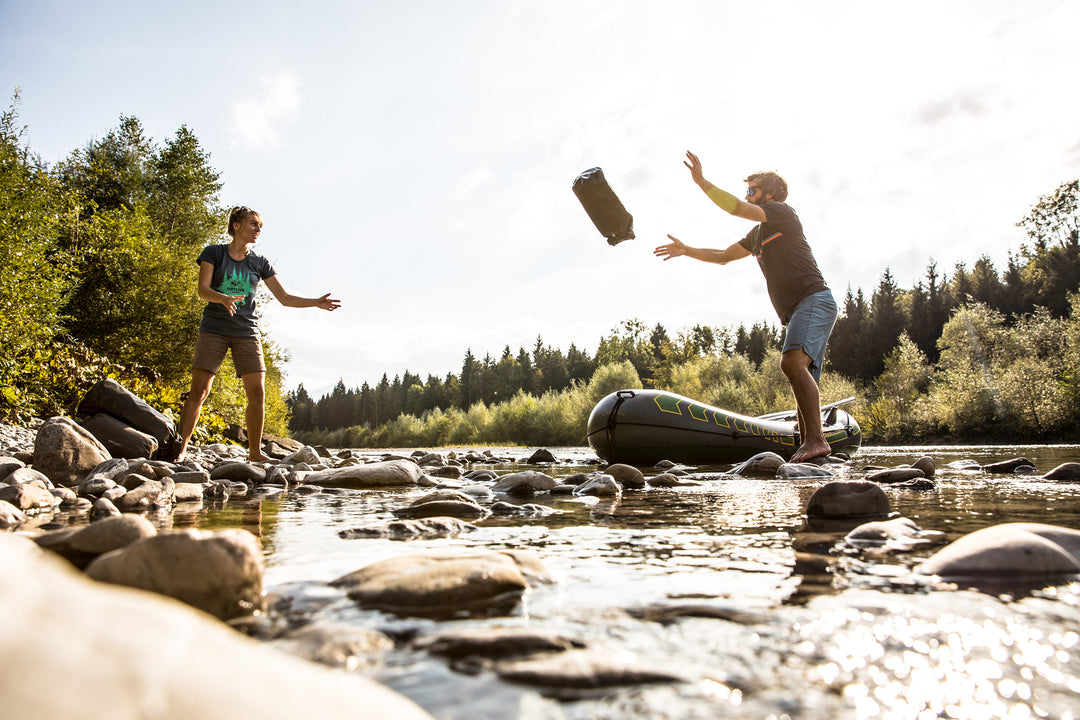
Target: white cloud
(468, 183)
(255, 120)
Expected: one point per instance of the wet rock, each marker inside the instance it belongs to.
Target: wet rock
(895, 475)
(602, 485)
(526, 482)
(668, 613)
(449, 472)
(1066, 472)
(626, 475)
(449, 508)
(65, 496)
(446, 494)
(199, 477)
(439, 585)
(1007, 466)
(69, 633)
(25, 475)
(964, 465)
(10, 516)
(9, 465)
(103, 508)
(763, 464)
(239, 472)
(577, 670)
(542, 455)
(95, 485)
(1008, 550)
(793, 471)
(388, 473)
(495, 642)
(917, 484)
(188, 492)
(337, 644)
(28, 497)
(669, 480)
(429, 459)
(149, 493)
(119, 438)
(478, 492)
(218, 572)
(845, 499)
(926, 464)
(111, 468)
(80, 546)
(664, 465)
(898, 530)
(423, 528)
(529, 510)
(481, 474)
(66, 452)
(306, 454)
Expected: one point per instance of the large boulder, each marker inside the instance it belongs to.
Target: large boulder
(388, 473)
(218, 572)
(1008, 550)
(66, 635)
(65, 452)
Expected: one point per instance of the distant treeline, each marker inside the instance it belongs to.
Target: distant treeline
(899, 351)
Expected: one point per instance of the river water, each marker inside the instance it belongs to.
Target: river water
(797, 624)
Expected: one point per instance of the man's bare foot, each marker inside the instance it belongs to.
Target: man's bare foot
(259, 456)
(808, 452)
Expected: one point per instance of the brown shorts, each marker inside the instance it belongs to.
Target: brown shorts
(210, 352)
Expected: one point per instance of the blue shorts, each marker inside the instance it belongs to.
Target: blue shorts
(809, 328)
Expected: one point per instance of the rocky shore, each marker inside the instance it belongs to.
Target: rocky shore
(83, 560)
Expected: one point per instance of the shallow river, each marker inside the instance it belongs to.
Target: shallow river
(798, 625)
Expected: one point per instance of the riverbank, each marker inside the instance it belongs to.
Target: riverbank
(507, 583)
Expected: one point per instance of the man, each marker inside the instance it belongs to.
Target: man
(796, 288)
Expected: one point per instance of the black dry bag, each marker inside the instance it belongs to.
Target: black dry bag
(604, 207)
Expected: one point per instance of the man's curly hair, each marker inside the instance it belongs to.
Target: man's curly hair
(771, 184)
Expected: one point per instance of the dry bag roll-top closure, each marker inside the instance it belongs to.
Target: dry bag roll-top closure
(603, 206)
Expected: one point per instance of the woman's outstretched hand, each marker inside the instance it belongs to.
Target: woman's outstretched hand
(327, 303)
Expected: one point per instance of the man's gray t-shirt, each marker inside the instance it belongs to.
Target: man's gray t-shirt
(233, 277)
(790, 271)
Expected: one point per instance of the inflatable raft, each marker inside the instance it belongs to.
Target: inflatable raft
(643, 427)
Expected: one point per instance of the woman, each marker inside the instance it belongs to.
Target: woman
(228, 277)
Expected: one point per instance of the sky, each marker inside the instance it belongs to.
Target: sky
(415, 159)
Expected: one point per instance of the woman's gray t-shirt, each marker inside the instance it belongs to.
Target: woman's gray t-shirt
(233, 277)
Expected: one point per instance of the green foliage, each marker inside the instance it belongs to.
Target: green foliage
(148, 213)
(35, 273)
(906, 376)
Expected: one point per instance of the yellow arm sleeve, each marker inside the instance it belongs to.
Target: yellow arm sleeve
(725, 200)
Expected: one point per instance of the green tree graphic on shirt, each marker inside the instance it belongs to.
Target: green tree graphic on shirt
(236, 283)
